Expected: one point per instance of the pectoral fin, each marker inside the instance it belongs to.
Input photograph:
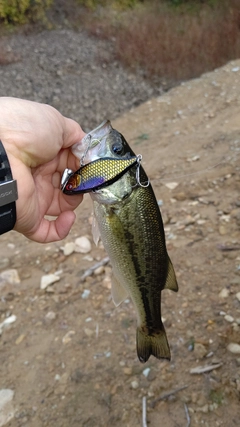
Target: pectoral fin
(119, 293)
(171, 282)
(95, 231)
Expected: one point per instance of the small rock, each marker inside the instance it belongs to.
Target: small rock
(134, 384)
(146, 372)
(222, 230)
(85, 294)
(20, 339)
(99, 270)
(234, 348)
(10, 276)
(48, 279)
(180, 196)
(107, 283)
(4, 263)
(89, 332)
(127, 371)
(69, 248)
(171, 185)
(203, 409)
(51, 315)
(238, 296)
(6, 408)
(200, 351)
(224, 293)
(229, 318)
(83, 245)
(68, 337)
(7, 322)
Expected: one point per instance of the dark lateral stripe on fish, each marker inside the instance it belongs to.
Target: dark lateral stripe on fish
(143, 287)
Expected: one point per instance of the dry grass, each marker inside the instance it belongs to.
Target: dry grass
(174, 44)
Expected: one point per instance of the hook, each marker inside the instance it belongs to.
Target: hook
(141, 184)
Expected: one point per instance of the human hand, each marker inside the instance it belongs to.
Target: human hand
(37, 139)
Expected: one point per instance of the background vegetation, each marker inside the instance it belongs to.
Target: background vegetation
(165, 40)
(23, 11)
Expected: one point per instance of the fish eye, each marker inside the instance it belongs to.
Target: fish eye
(117, 148)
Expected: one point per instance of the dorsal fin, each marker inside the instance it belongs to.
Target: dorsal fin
(171, 281)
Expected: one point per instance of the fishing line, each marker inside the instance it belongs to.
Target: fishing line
(167, 176)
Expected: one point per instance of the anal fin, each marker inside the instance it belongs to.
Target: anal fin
(171, 281)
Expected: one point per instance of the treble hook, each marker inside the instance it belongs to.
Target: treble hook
(145, 184)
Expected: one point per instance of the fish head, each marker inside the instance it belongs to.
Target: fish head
(103, 141)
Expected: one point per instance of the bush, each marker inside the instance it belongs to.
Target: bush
(169, 44)
(23, 11)
(119, 4)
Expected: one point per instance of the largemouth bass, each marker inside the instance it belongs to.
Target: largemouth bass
(131, 229)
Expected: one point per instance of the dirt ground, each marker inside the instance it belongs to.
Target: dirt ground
(71, 361)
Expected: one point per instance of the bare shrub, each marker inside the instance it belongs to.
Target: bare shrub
(174, 43)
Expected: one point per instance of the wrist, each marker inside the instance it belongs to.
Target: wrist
(8, 193)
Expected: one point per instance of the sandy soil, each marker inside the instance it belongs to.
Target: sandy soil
(77, 366)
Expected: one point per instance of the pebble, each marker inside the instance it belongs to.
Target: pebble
(4, 263)
(6, 408)
(224, 293)
(51, 315)
(171, 185)
(203, 409)
(10, 276)
(200, 351)
(85, 294)
(146, 372)
(134, 384)
(20, 339)
(238, 296)
(89, 332)
(99, 270)
(229, 318)
(7, 322)
(48, 279)
(83, 245)
(68, 337)
(222, 230)
(234, 348)
(127, 371)
(69, 248)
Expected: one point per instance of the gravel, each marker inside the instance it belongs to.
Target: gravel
(73, 72)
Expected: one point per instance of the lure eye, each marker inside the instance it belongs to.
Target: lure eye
(69, 187)
(117, 148)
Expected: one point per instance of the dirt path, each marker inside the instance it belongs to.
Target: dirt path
(71, 360)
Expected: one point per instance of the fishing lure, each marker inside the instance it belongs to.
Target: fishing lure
(96, 174)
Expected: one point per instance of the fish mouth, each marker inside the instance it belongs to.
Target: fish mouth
(89, 148)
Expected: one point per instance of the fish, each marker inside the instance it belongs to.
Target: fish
(129, 222)
(96, 174)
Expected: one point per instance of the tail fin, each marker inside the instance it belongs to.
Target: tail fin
(155, 344)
